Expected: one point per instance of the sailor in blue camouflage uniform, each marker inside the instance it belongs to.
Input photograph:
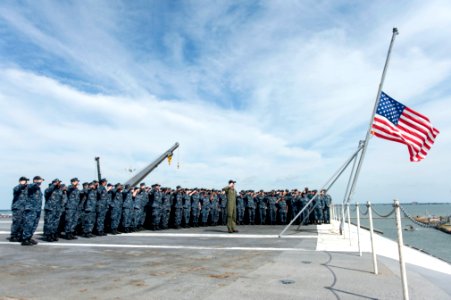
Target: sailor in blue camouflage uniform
(318, 210)
(166, 208)
(272, 208)
(138, 206)
(157, 206)
(71, 208)
(127, 208)
(20, 195)
(304, 217)
(32, 211)
(195, 207)
(116, 204)
(89, 211)
(101, 207)
(288, 197)
(261, 207)
(282, 209)
(327, 203)
(240, 208)
(223, 206)
(311, 207)
(81, 207)
(186, 209)
(145, 206)
(205, 207)
(214, 206)
(178, 207)
(250, 205)
(52, 210)
(62, 218)
(295, 204)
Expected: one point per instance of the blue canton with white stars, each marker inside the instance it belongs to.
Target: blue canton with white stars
(390, 108)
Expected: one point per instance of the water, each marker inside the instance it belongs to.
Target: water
(5, 213)
(432, 241)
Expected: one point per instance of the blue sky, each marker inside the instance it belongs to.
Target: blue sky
(276, 94)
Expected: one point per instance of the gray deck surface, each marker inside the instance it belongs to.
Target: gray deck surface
(248, 265)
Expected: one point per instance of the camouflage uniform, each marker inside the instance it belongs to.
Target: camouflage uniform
(20, 195)
(223, 204)
(137, 210)
(186, 209)
(214, 209)
(195, 209)
(282, 210)
(127, 207)
(157, 206)
(178, 209)
(326, 211)
(116, 209)
(250, 205)
(52, 211)
(166, 211)
(272, 209)
(71, 217)
(101, 207)
(32, 211)
(205, 208)
(261, 208)
(240, 209)
(90, 213)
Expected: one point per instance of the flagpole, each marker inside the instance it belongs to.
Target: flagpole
(368, 133)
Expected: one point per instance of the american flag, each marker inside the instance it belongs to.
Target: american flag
(396, 122)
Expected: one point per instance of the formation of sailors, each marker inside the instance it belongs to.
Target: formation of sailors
(98, 208)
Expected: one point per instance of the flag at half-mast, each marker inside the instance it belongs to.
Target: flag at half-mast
(396, 122)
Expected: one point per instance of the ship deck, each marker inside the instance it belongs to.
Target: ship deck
(208, 263)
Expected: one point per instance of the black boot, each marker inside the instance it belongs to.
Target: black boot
(14, 239)
(27, 242)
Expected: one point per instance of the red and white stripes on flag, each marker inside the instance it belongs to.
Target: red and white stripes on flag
(396, 122)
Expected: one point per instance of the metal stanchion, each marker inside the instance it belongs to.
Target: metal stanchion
(349, 223)
(370, 218)
(357, 211)
(342, 223)
(402, 265)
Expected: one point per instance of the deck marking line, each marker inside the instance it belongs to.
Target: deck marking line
(179, 247)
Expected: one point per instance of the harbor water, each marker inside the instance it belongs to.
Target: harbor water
(430, 240)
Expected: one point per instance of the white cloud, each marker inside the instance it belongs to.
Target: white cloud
(278, 96)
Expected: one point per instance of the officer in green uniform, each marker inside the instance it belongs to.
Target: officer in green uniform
(231, 206)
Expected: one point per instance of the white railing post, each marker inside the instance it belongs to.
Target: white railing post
(333, 212)
(349, 223)
(343, 220)
(373, 250)
(357, 211)
(402, 265)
